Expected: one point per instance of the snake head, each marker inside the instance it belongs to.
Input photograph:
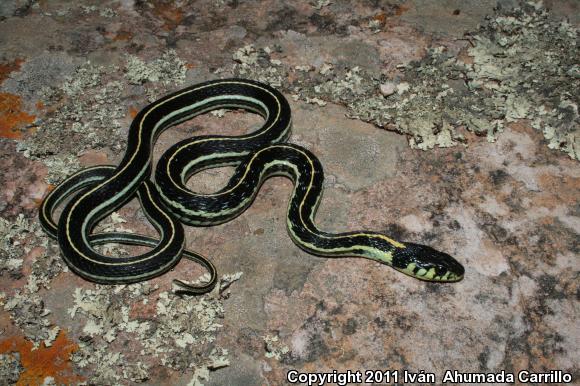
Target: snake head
(426, 263)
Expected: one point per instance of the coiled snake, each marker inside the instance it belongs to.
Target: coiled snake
(167, 203)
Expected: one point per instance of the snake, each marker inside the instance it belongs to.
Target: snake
(91, 175)
(95, 192)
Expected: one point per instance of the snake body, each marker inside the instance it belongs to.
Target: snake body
(168, 202)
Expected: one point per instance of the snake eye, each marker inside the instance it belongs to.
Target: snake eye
(426, 263)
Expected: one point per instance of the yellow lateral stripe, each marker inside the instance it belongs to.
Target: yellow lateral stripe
(72, 244)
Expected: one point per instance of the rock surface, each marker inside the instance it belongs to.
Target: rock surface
(491, 176)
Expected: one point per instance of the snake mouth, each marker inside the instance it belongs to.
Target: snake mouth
(426, 263)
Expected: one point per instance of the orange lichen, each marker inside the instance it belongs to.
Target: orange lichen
(7, 68)
(381, 17)
(170, 15)
(385, 18)
(133, 112)
(12, 118)
(400, 9)
(123, 36)
(53, 361)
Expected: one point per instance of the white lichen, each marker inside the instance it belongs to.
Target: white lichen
(10, 367)
(168, 69)
(180, 334)
(525, 66)
(87, 114)
(275, 348)
(257, 63)
(27, 312)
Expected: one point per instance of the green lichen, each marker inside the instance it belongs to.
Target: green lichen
(26, 308)
(59, 166)
(319, 4)
(167, 69)
(429, 103)
(424, 107)
(275, 348)
(17, 238)
(10, 367)
(257, 63)
(28, 313)
(87, 114)
(525, 66)
(216, 359)
(87, 110)
(12, 236)
(530, 61)
(181, 335)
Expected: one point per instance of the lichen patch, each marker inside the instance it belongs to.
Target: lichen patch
(177, 333)
(522, 64)
(13, 118)
(8, 67)
(38, 364)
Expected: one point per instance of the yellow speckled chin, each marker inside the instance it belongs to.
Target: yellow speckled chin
(428, 275)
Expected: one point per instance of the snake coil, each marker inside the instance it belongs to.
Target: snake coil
(98, 191)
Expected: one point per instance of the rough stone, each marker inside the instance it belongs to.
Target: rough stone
(487, 187)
